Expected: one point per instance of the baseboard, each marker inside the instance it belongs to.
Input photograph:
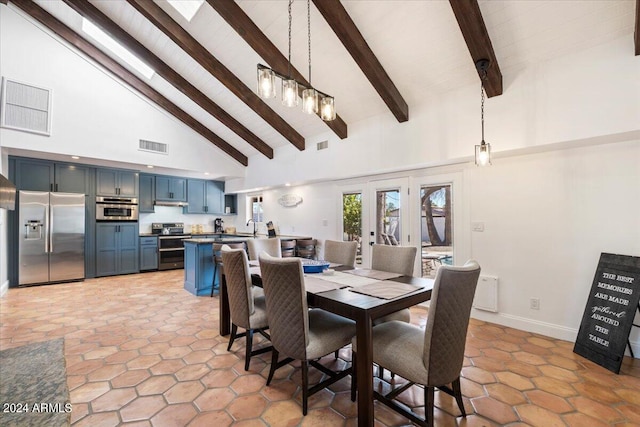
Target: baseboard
(4, 288)
(538, 327)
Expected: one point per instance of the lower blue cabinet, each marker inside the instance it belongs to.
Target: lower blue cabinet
(116, 248)
(198, 267)
(148, 253)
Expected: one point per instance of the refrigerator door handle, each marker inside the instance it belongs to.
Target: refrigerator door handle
(49, 232)
(46, 229)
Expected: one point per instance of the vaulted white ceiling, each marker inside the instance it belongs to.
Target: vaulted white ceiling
(418, 42)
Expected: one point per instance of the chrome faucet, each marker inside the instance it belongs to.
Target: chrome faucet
(254, 226)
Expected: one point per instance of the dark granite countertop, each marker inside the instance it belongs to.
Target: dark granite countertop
(228, 238)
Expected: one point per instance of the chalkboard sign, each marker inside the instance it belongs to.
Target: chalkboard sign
(611, 307)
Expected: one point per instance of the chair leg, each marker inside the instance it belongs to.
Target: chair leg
(380, 372)
(274, 364)
(354, 378)
(213, 282)
(455, 385)
(336, 353)
(232, 338)
(305, 386)
(428, 405)
(248, 349)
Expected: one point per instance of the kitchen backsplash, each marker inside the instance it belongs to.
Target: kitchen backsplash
(174, 214)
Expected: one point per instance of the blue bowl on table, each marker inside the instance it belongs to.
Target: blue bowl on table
(314, 266)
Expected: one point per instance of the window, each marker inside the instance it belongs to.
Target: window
(352, 220)
(436, 227)
(256, 208)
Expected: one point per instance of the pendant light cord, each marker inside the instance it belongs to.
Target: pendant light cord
(484, 75)
(289, 69)
(309, 34)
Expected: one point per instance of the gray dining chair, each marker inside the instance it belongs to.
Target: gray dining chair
(394, 259)
(341, 252)
(297, 332)
(246, 305)
(217, 260)
(432, 357)
(271, 246)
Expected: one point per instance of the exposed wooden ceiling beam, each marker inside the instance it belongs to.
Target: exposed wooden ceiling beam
(249, 31)
(90, 12)
(202, 56)
(475, 34)
(343, 26)
(125, 75)
(637, 31)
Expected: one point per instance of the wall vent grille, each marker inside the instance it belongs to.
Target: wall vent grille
(323, 145)
(25, 107)
(153, 147)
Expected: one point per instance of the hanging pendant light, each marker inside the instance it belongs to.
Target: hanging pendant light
(483, 151)
(309, 95)
(313, 101)
(266, 82)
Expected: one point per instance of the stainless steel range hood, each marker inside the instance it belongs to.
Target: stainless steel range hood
(169, 203)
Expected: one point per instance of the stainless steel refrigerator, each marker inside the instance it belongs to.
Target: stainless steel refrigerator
(51, 241)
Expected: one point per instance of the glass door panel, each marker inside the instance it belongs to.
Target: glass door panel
(352, 221)
(436, 227)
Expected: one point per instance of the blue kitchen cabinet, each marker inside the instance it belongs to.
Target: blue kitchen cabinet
(205, 197)
(148, 253)
(147, 184)
(116, 248)
(171, 189)
(115, 182)
(198, 266)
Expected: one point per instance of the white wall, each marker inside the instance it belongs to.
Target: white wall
(4, 280)
(94, 114)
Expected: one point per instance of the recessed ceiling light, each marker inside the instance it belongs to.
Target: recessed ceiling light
(150, 166)
(108, 42)
(186, 8)
(75, 157)
(206, 173)
(287, 185)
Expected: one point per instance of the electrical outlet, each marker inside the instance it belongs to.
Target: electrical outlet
(534, 303)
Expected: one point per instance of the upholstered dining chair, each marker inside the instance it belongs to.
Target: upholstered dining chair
(272, 246)
(394, 259)
(431, 357)
(246, 305)
(341, 252)
(297, 332)
(217, 259)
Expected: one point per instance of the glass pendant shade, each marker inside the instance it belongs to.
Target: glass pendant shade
(289, 93)
(483, 154)
(327, 108)
(310, 101)
(266, 83)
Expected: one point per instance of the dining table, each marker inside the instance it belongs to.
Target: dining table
(351, 303)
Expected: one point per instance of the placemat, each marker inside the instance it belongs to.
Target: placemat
(386, 289)
(314, 285)
(343, 279)
(374, 274)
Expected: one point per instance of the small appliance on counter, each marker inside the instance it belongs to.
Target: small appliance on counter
(197, 229)
(218, 225)
(170, 244)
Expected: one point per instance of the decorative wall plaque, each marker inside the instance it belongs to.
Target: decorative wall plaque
(290, 200)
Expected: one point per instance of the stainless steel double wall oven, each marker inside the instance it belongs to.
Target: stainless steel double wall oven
(170, 244)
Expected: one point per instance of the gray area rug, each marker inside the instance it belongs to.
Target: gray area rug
(33, 386)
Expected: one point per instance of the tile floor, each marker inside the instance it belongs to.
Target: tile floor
(141, 351)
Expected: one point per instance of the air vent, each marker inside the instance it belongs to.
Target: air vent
(322, 145)
(25, 107)
(154, 147)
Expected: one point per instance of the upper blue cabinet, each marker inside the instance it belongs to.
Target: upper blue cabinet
(205, 197)
(171, 189)
(114, 182)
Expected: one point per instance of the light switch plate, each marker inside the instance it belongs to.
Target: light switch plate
(477, 226)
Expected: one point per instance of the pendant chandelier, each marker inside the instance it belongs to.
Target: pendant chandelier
(313, 101)
(483, 151)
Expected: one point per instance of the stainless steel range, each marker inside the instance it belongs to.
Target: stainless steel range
(170, 244)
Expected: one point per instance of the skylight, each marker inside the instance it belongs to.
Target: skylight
(186, 8)
(105, 40)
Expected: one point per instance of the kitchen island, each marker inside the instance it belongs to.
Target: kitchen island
(198, 258)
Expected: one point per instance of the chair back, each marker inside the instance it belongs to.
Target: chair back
(306, 248)
(217, 248)
(447, 322)
(288, 248)
(394, 259)
(270, 246)
(286, 299)
(236, 270)
(341, 252)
